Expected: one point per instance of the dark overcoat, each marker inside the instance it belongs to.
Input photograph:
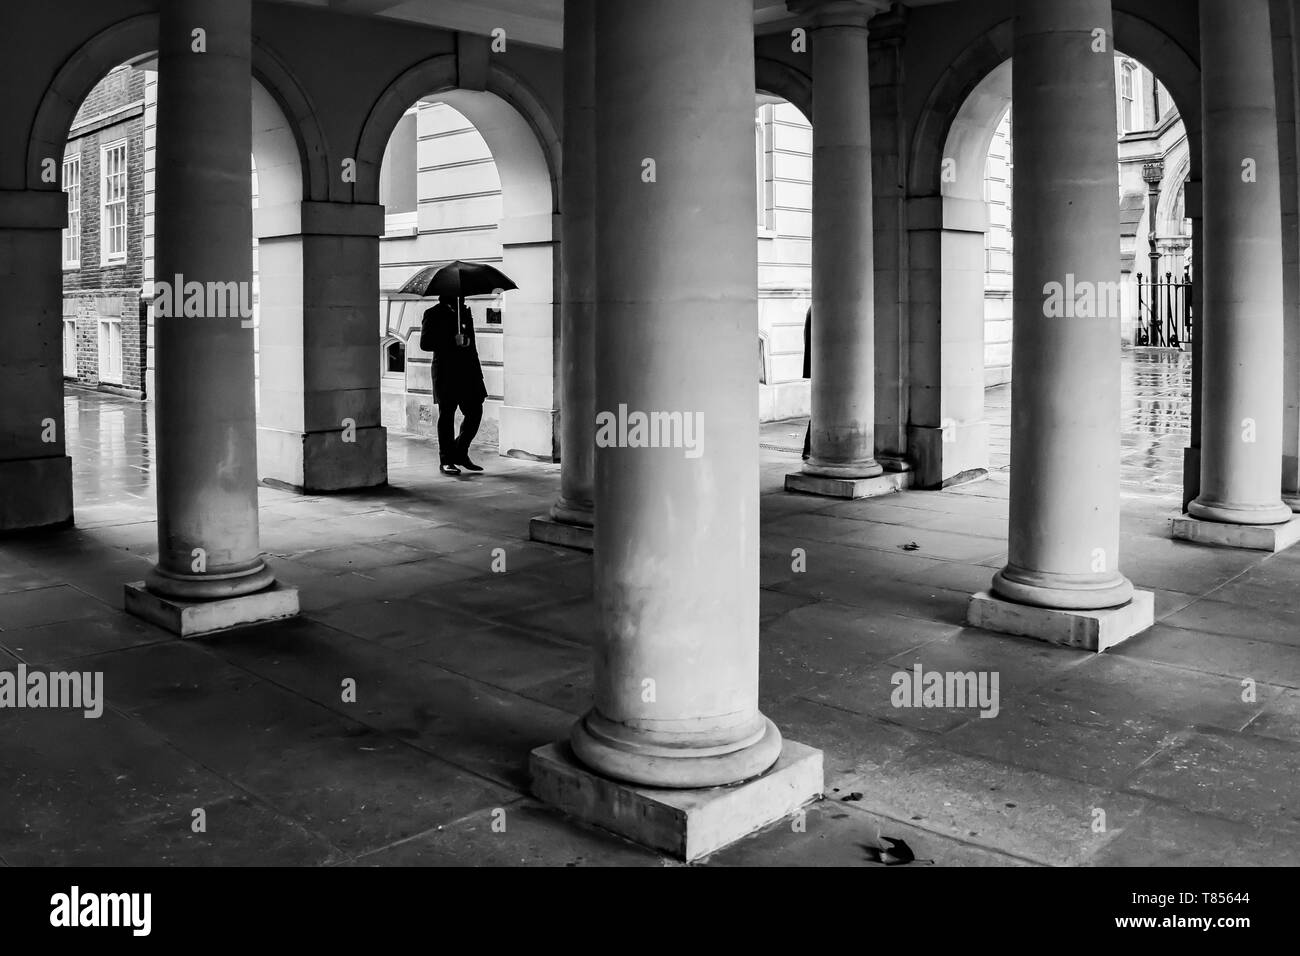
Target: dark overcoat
(457, 374)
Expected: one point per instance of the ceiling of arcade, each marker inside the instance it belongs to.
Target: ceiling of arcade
(532, 21)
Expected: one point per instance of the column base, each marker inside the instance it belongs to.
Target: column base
(949, 456)
(35, 494)
(547, 530)
(322, 462)
(1191, 475)
(529, 433)
(887, 483)
(687, 824)
(194, 618)
(1087, 630)
(1250, 537)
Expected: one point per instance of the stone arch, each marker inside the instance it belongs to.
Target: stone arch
(781, 79)
(946, 222)
(287, 144)
(1174, 182)
(521, 136)
(509, 116)
(136, 37)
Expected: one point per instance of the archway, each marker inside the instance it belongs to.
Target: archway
(783, 168)
(947, 226)
(289, 152)
(524, 148)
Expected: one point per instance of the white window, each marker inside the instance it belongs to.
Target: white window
(69, 346)
(110, 349)
(763, 123)
(112, 203)
(1126, 98)
(72, 234)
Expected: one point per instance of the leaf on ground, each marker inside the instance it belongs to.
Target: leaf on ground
(898, 853)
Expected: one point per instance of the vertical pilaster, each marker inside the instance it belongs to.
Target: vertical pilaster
(573, 513)
(35, 471)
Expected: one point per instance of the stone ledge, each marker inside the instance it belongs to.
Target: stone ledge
(194, 618)
(888, 483)
(1251, 537)
(1087, 630)
(687, 824)
(549, 531)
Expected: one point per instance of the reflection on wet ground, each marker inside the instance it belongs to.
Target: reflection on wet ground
(1156, 410)
(110, 438)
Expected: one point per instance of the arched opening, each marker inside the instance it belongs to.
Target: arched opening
(470, 175)
(961, 244)
(783, 201)
(99, 116)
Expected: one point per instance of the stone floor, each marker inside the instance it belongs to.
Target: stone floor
(1180, 747)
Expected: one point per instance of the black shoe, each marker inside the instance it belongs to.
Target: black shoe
(449, 470)
(469, 465)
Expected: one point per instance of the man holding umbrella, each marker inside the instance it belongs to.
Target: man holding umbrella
(448, 333)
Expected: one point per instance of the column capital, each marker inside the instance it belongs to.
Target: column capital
(837, 13)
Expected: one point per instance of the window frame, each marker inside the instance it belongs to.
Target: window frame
(71, 367)
(765, 169)
(71, 236)
(109, 373)
(107, 258)
(1127, 97)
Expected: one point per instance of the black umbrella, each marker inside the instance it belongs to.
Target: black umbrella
(457, 279)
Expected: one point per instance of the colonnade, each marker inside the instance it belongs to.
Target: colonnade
(658, 317)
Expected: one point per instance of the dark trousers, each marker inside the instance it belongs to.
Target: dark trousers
(807, 441)
(454, 450)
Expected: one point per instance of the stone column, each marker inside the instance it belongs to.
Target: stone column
(35, 471)
(676, 689)
(1286, 46)
(1242, 333)
(206, 430)
(575, 506)
(843, 274)
(1065, 431)
(676, 462)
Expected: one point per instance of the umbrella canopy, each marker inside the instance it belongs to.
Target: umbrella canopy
(457, 279)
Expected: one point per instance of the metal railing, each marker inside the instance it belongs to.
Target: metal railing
(1164, 311)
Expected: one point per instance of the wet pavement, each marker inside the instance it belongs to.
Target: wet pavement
(1156, 409)
(461, 668)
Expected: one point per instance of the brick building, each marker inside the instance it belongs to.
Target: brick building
(103, 246)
